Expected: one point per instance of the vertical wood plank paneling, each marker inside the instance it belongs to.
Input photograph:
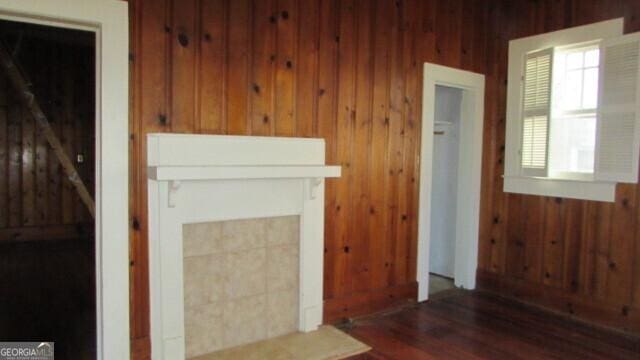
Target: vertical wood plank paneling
(448, 39)
(134, 180)
(28, 169)
(265, 21)
(212, 66)
(307, 68)
(137, 327)
(152, 59)
(619, 280)
(603, 241)
(573, 244)
(553, 242)
(41, 152)
(396, 138)
(405, 257)
(354, 79)
(408, 53)
(359, 226)
(469, 15)
(344, 141)
(82, 133)
(67, 135)
(286, 67)
(533, 214)
(378, 212)
(500, 214)
(238, 60)
(588, 262)
(515, 254)
(54, 168)
(15, 150)
(594, 242)
(183, 45)
(326, 102)
(487, 244)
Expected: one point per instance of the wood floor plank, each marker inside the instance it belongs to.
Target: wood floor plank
(480, 325)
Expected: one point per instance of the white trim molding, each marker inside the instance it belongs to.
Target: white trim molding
(108, 19)
(205, 178)
(572, 189)
(469, 173)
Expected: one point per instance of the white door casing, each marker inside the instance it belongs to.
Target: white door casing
(469, 173)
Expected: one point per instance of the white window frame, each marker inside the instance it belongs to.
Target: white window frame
(514, 180)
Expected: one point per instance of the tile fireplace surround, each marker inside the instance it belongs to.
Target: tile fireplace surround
(240, 282)
(249, 201)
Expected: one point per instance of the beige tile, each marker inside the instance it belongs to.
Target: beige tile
(283, 268)
(282, 312)
(244, 320)
(263, 350)
(203, 329)
(283, 230)
(202, 238)
(243, 234)
(204, 279)
(325, 343)
(245, 273)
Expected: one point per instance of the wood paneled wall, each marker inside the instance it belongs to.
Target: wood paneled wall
(36, 198)
(578, 257)
(350, 72)
(346, 71)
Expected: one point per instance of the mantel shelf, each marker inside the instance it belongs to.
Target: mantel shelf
(182, 173)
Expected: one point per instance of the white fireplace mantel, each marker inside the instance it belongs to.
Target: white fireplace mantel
(204, 178)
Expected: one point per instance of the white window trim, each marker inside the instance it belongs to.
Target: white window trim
(514, 182)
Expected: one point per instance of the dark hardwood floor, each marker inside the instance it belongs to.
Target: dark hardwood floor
(478, 325)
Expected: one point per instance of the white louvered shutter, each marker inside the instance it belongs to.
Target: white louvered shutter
(536, 110)
(618, 134)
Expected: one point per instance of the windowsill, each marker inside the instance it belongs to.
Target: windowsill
(564, 188)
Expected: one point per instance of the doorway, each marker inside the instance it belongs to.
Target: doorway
(47, 231)
(450, 169)
(73, 250)
(446, 149)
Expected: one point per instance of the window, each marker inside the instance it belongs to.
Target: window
(573, 128)
(572, 139)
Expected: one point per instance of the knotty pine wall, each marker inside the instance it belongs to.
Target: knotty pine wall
(581, 258)
(346, 71)
(37, 201)
(350, 72)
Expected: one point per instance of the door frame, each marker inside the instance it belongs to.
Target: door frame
(469, 173)
(109, 20)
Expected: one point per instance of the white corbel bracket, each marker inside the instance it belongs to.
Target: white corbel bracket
(314, 184)
(174, 186)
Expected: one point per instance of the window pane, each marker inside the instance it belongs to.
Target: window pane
(573, 141)
(573, 90)
(592, 58)
(574, 60)
(590, 97)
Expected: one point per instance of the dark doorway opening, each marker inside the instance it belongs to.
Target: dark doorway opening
(47, 233)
